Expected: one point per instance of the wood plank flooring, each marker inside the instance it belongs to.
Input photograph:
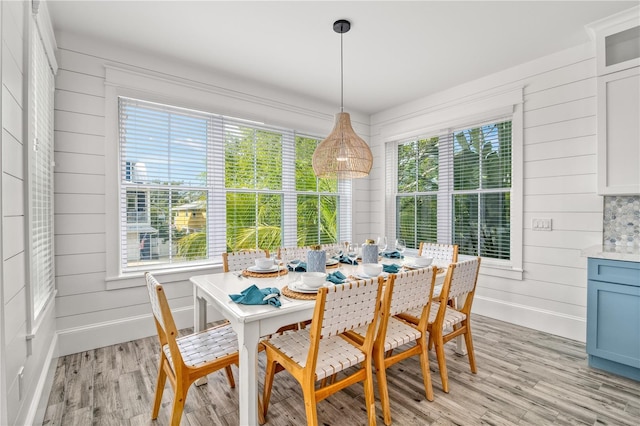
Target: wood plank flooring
(524, 378)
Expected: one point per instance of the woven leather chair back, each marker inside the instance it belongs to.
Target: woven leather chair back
(411, 290)
(349, 306)
(239, 260)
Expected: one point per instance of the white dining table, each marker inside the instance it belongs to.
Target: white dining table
(252, 322)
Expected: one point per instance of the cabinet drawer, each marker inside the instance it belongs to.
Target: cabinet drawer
(614, 271)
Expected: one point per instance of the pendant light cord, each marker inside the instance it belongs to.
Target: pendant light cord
(341, 77)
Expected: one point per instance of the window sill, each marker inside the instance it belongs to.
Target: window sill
(167, 275)
(497, 268)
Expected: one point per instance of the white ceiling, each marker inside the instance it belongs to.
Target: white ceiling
(395, 52)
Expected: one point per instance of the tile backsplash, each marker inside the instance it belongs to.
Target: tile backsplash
(622, 220)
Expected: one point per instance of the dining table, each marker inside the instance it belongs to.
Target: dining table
(253, 322)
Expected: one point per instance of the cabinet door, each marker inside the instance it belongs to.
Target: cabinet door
(619, 133)
(613, 322)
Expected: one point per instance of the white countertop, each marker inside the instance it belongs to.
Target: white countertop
(611, 252)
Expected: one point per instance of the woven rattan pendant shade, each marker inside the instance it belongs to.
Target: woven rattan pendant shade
(342, 154)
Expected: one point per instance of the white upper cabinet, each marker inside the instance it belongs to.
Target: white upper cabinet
(619, 133)
(617, 41)
(618, 66)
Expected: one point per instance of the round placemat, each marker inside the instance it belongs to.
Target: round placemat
(286, 291)
(248, 273)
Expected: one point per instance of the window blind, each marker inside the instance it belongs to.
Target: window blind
(480, 177)
(41, 178)
(453, 188)
(163, 185)
(195, 184)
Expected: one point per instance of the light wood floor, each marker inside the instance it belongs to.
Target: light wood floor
(524, 377)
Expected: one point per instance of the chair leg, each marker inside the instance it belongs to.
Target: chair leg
(381, 375)
(442, 363)
(229, 371)
(268, 383)
(261, 419)
(469, 343)
(310, 403)
(368, 393)
(178, 403)
(162, 379)
(426, 372)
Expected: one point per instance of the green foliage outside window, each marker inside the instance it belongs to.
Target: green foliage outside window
(418, 183)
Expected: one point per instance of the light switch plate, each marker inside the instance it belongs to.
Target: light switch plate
(541, 224)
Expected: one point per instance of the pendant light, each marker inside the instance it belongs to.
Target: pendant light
(343, 154)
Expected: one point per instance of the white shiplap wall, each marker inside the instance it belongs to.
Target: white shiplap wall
(559, 183)
(19, 401)
(88, 315)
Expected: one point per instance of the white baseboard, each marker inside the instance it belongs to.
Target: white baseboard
(113, 332)
(38, 407)
(98, 335)
(568, 326)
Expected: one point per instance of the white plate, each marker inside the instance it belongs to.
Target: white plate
(364, 276)
(332, 262)
(257, 270)
(301, 288)
(412, 266)
(441, 268)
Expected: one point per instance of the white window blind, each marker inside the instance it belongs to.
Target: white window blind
(195, 184)
(41, 178)
(454, 188)
(163, 186)
(481, 193)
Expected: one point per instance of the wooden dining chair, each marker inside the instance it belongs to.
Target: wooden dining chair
(240, 260)
(441, 253)
(447, 322)
(321, 350)
(334, 248)
(185, 359)
(291, 253)
(411, 290)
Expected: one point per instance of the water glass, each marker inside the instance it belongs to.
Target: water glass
(352, 252)
(280, 262)
(382, 244)
(293, 264)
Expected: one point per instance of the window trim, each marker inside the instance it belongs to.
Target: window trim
(166, 89)
(487, 108)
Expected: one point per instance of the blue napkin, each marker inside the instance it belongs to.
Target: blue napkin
(336, 277)
(392, 268)
(345, 259)
(392, 254)
(258, 296)
(300, 267)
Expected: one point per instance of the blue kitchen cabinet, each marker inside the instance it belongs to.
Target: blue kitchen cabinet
(613, 316)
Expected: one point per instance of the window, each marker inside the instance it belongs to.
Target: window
(316, 201)
(194, 184)
(456, 188)
(42, 284)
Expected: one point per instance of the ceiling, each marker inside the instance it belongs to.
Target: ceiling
(395, 52)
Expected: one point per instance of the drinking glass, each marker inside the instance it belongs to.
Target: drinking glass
(293, 264)
(336, 253)
(401, 245)
(352, 252)
(280, 262)
(382, 244)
